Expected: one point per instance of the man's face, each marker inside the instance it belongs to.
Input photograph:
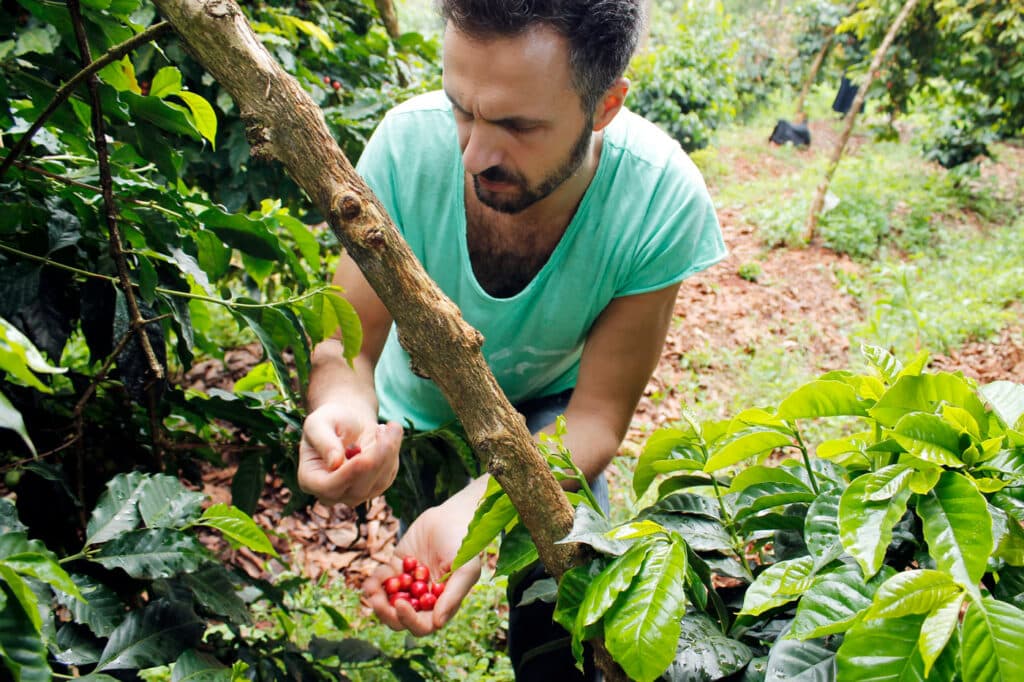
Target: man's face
(521, 128)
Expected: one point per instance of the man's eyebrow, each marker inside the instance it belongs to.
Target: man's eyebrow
(507, 121)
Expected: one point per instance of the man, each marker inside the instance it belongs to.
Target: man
(560, 223)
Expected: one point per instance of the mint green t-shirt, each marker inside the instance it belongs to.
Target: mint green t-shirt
(645, 222)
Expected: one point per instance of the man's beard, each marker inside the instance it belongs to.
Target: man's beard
(527, 196)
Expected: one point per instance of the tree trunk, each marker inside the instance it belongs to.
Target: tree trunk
(851, 117)
(283, 123)
(386, 9)
(819, 59)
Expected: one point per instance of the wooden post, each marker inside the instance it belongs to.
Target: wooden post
(851, 117)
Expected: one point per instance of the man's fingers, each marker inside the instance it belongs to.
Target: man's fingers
(455, 590)
(322, 436)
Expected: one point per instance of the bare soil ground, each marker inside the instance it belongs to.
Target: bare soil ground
(716, 309)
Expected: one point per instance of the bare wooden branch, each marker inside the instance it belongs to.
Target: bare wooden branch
(851, 117)
(386, 9)
(812, 75)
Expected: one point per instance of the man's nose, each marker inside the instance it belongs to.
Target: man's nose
(482, 149)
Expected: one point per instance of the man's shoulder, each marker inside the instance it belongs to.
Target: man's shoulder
(645, 143)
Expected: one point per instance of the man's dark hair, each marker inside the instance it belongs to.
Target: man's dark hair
(602, 34)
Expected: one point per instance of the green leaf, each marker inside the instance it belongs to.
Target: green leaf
(1006, 399)
(571, 589)
(167, 81)
(791, 660)
(22, 591)
(882, 651)
(117, 509)
(153, 553)
(155, 635)
(991, 649)
(243, 233)
(822, 399)
(42, 567)
(642, 628)
(491, 517)
(193, 666)
(936, 630)
(339, 313)
(701, 533)
(203, 116)
(589, 527)
(308, 28)
(24, 653)
(612, 581)
(102, 611)
(756, 440)
(214, 590)
(883, 361)
(929, 437)
(686, 503)
(922, 394)
(911, 592)
(778, 584)
(164, 115)
(957, 528)
(881, 485)
(11, 419)
(517, 551)
(767, 495)
(662, 445)
(835, 601)
(865, 527)
(165, 503)
(247, 484)
(237, 527)
(704, 653)
(760, 473)
(821, 524)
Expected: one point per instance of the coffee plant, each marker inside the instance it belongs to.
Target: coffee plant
(892, 550)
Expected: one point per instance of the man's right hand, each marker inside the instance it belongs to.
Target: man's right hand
(324, 470)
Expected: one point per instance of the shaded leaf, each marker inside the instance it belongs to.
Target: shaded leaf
(165, 503)
(991, 649)
(791, 660)
(835, 601)
(24, 653)
(155, 635)
(704, 653)
(153, 553)
(882, 651)
(117, 509)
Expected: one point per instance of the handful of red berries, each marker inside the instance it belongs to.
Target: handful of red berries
(413, 585)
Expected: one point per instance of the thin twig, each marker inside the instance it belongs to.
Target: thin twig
(107, 184)
(111, 55)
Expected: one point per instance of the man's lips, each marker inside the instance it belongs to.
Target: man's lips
(494, 186)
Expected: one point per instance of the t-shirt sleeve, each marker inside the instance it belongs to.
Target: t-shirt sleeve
(680, 234)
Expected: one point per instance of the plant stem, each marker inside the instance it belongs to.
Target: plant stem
(807, 459)
(65, 90)
(169, 292)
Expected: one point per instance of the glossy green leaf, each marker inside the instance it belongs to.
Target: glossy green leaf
(822, 399)
(153, 553)
(243, 233)
(778, 584)
(883, 484)
(912, 592)
(203, 116)
(792, 660)
(662, 445)
(1008, 536)
(821, 524)
(166, 81)
(957, 528)
(102, 611)
(924, 479)
(846, 448)
(1006, 399)
(883, 361)
(922, 394)
(517, 551)
(835, 601)
(865, 527)
(11, 419)
(571, 589)
(609, 584)
(591, 528)
(936, 630)
(75, 645)
(491, 517)
(704, 653)
(750, 442)
(43, 567)
(165, 503)
(214, 590)
(701, 533)
(686, 503)
(117, 509)
(338, 313)
(760, 473)
(22, 591)
(642, 627)
(162, 114)
(993, 642)
(763, 496)
(154, 635)
(24, 653)
(929, 437)
(193, 666)
(882, 651)
(237, 527)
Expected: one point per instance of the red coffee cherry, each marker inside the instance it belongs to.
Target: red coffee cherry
(427, 602)
(392, 585)
(421, 572)
(409, 564)
(436, 589)
(405, 581)
(418, 588)
(352, 450)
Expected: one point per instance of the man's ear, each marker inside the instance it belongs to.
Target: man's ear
(610, 103)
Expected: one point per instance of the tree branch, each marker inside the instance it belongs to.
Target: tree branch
(111, 55)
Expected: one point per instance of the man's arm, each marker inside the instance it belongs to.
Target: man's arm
(342, 404)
